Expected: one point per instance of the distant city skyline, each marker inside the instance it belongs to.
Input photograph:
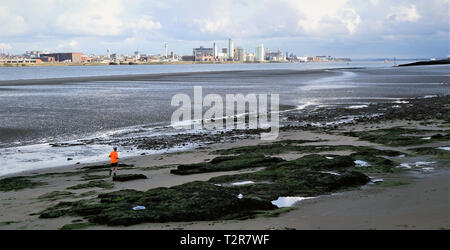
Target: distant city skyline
(343, 28)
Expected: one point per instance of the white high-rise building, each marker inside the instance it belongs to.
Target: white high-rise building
(259, 53)
(215, 54)
(108, 53)
(166, 50)
(230, 49)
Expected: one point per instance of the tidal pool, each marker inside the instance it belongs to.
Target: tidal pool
(360, 163)
(288, 201)
(242, 183)
(330, 172)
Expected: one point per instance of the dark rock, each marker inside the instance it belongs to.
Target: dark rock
(128, 177)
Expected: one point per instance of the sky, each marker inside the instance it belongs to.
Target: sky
(343, 28)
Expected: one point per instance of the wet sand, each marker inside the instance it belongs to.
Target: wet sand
(150, 77)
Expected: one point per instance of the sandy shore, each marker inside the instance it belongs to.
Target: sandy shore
(422, 204)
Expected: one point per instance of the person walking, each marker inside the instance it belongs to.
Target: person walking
(114, 161)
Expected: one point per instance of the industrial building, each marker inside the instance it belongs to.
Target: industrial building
(65, 57)
(203, 54)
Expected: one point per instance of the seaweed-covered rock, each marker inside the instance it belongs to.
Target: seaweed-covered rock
(440, 153)
(273, 148)
(197, 201)
(18, 183)
(97, 168)
(227, 163)
(399, 136)
(319, 162)
(89, 177)
(129, 177)
(53, 213)
(55, 195)
(188, 202)
(304, 176)
(93, 184)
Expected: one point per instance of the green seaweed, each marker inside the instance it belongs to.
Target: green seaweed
(226, 163)
(188, 202)
(393, 183)
(282, 147)
(398, 136)
(6, 223)
(93, 184)
(85, 194)
(18, 183)
(88, 177)
(273, 148)
(56, 174)
(129, 177)
(304, 176)
(99, 168)
(244, 160)
(440, 153)
(55, 195)
(76, 226)
(156, 167)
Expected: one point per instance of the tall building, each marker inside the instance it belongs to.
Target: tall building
(239, 54)
(137, 55)
(259, 53)
(215, 54)
(230, 49)
(108, 53)
(166, 50)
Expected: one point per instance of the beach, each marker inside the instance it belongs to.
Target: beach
(353, 162)
(421, 203)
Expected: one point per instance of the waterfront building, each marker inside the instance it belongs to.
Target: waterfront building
(203, 54)
(215, 54)
(239, 54)
(259, 53)
(249, 57)
(65, 57)
(230, 49)
(166, 50)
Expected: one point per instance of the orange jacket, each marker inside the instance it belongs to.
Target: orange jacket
(114, 157)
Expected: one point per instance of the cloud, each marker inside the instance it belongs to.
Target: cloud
(69, 45)
(102, 18)
(211, 26)
(326, 17)
(145, 23)
(252, 19)
(404, 14)
(98, 18)
(10, 23)
(298, 25)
